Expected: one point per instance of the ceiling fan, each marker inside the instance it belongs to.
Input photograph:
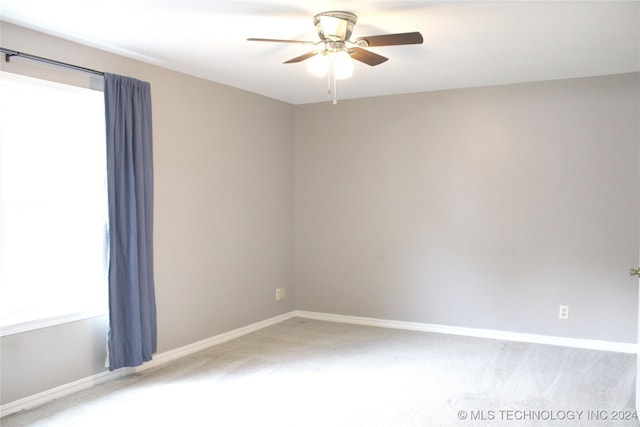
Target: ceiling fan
(336, 51)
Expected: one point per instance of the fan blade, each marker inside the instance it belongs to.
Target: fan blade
(390, 39)
(301, 57)
(279, 41)
(366, 56)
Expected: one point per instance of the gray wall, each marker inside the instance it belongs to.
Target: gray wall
(223, 215)
(484, 208)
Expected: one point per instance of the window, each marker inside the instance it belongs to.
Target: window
(53, 199)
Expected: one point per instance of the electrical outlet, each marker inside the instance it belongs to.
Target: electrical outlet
(281, 293)
(564, 312)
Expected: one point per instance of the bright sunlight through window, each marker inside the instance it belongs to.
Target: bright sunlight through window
(54, 203)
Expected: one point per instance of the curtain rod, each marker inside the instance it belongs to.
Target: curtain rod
(8, 53)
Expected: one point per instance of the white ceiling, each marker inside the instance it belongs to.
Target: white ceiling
(466, 44)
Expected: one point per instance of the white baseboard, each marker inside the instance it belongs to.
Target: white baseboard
(617, 347)
(162, 358)
(39, 399)
(46, 396)
(168, 356)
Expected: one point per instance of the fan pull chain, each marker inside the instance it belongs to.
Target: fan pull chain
(335, 89)
(331, 78)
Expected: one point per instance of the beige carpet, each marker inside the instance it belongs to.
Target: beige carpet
(311, 373)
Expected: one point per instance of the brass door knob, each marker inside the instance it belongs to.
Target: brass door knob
(634, 272)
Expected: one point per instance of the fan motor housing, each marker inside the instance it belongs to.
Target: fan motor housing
(335, 25)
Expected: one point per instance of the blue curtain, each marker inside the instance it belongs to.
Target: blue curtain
(132, 335)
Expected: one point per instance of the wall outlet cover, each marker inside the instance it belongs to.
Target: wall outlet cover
(564, 312)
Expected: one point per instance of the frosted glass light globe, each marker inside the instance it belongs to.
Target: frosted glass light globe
(318, 65)
(342, 65)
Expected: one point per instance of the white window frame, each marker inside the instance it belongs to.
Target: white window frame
(43, 317)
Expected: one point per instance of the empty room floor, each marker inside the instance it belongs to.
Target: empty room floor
(304, 372)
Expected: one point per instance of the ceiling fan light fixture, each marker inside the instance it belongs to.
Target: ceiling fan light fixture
(340, 63)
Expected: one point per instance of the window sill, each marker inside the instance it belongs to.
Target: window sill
(9, 327)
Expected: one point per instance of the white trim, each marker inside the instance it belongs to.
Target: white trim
(46, 396)
(40, 322)
(162, 358)
(618, 347)
(171, 355)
